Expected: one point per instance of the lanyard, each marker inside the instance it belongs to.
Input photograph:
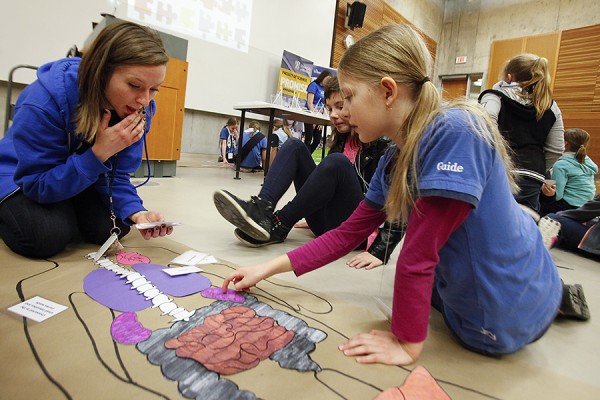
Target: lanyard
(109, 183)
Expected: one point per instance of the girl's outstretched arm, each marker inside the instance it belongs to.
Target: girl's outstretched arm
(247, 277)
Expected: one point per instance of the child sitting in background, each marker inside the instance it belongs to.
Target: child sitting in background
(254, 148)
(574, 175)
(228, 139)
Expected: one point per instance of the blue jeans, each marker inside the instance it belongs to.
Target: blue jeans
(571, 232)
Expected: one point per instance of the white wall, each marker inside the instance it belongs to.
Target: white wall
(38, 31)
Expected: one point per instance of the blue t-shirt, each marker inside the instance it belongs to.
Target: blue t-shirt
(231, 146)
(319, 93)
(498, 283)
(254, 158)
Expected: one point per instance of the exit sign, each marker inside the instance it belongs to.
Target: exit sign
(461, 59)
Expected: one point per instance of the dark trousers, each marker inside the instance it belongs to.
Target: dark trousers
(312, 136)
(42, 230)
(326, 194)
(529, 195)
(571, 232)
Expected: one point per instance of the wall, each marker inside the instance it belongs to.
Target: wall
(218, 77)
(469, 27)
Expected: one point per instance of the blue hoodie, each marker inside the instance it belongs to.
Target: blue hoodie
(42, 155)
(574, 181)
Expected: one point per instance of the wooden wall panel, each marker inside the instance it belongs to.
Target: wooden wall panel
(576, 84)
(502, 51)
(545, 45)
(378, 14)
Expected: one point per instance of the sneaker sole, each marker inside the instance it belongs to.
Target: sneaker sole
(251, 244)
(549, 229)
(232, 212)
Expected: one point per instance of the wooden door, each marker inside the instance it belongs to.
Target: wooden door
(454, 88)
(164, 139)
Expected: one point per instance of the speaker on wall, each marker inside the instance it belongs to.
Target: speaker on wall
(355, 14)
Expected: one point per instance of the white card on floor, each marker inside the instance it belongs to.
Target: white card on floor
(182, 270)
(208, 260)
(190, 257)
(37, 308)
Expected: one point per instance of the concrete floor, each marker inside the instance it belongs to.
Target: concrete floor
(569, 354)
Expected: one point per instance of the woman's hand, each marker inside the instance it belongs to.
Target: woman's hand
(110, 140)
(141, 217)
(364, 260)
(247, 277)
(381, 347)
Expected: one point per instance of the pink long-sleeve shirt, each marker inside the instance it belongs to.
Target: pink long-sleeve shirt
(430, 224)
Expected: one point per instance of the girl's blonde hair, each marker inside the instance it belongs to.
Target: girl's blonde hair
(278, 124)
(397, 51)
(255, 126)
(119, 43)
(577, 140)
(533, 74)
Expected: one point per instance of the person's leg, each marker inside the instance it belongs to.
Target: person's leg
(93, 217)
(294, 164)
(316, 139)
(571, 232)
(255, 217)
(529, 194)
(329, 196)
(36, 230)
(309, 131)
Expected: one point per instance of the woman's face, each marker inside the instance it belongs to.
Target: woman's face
(335, 107)
(131, 87)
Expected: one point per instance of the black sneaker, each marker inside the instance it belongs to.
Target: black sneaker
(279, 233)
(253, 217)
(573, 304)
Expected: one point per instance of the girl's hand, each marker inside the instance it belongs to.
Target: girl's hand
(247, 277)
(110, 140)
(141, 217)
(381, 347)
(364, 260)
(548, 190)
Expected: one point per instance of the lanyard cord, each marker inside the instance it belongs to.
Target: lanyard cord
(109, 182)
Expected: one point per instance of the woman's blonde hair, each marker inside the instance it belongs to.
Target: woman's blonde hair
(397, 51)
(577, 140)
(533, 74)
(278, 124)
(119, 43)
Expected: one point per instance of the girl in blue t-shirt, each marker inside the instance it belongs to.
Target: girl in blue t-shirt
(469, 249)
(228, 141)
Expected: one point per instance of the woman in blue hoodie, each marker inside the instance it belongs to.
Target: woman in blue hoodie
(75, 138)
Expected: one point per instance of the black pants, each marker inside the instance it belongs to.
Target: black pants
(42, 230)
(312, 136)
(326, 194)
(529, 194)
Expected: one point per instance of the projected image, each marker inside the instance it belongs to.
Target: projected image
(226, 23)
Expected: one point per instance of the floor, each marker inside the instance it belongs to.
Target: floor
(569, 352)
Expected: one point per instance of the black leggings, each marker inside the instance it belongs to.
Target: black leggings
(312, 136)
(326, 194)
(42, 230)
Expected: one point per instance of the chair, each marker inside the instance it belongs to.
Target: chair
(10, 108)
